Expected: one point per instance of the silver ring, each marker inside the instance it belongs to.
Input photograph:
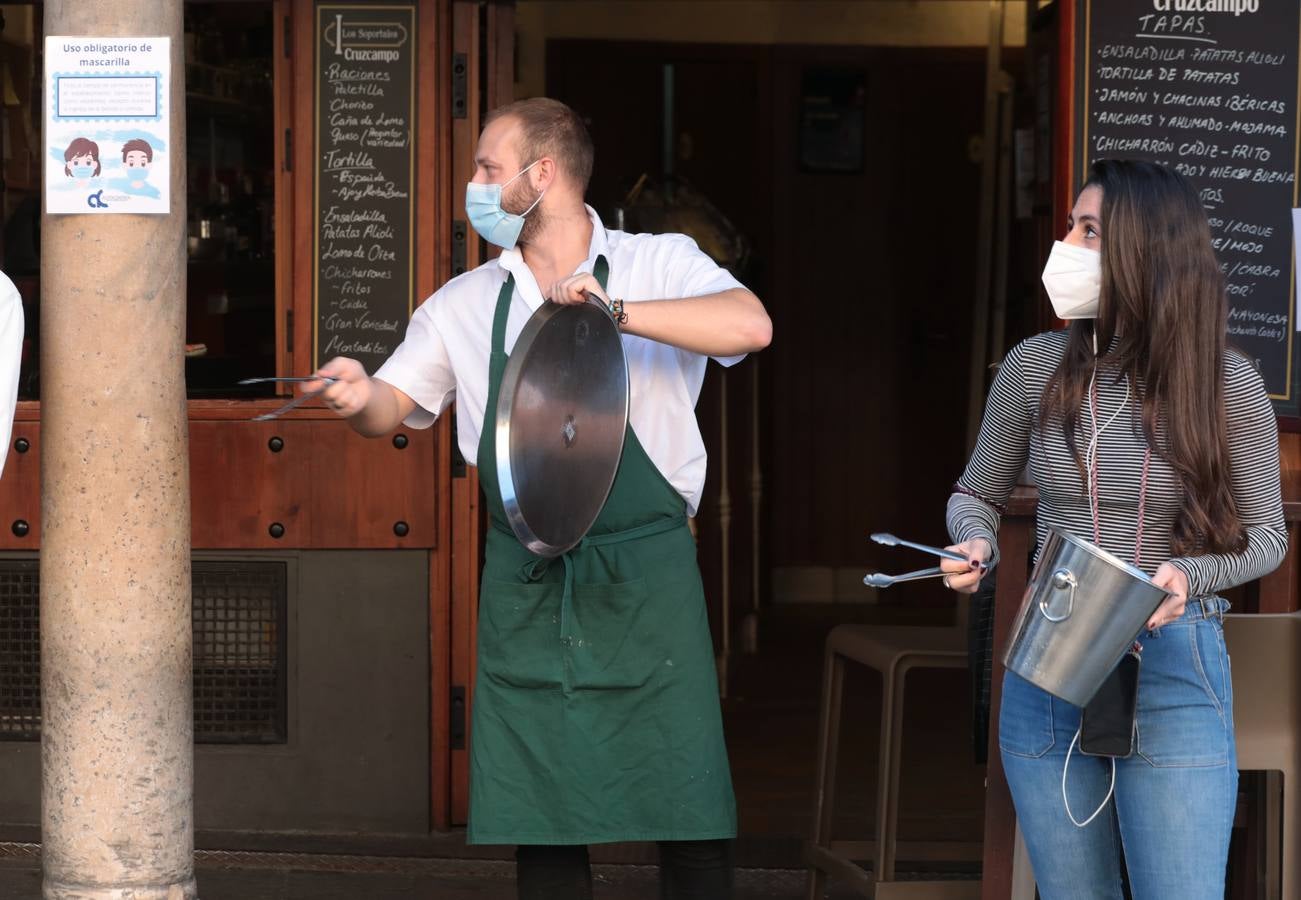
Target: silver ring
(945, 581)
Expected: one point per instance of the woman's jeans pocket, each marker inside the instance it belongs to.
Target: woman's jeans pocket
(1185, 696)
(1025, 719)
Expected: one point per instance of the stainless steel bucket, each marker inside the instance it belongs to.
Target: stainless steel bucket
(1081, 612)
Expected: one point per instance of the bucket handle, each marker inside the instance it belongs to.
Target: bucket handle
(1061, 580)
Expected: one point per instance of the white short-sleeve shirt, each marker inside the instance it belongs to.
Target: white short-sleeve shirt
(444, 355)
(11, 353)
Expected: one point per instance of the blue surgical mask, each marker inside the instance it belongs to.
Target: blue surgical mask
(83, 171)
(494, 224)
(138, 173)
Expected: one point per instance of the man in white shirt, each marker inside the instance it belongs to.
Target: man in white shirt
(11, 357)
(596, 715)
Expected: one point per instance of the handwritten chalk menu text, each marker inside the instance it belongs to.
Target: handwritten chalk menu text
(1209, 87)
(365, 178)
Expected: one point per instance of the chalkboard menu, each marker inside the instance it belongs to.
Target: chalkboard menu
(1210, 88)
(364, 182)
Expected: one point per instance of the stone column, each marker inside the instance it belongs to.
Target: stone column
(117, 721)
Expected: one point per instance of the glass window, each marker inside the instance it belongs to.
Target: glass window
(20, 195)
(230, 189)
(230, 180)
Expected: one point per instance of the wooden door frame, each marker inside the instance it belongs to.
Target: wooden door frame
(433, 98)
(482, 38)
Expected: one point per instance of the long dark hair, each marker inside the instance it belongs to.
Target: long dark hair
(1163, 304)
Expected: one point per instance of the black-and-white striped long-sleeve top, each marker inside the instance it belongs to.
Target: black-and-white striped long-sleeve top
(1010, 437)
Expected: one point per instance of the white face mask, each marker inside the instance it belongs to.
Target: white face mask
(1073, 279)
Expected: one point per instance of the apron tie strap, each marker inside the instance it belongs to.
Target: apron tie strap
(536, 568)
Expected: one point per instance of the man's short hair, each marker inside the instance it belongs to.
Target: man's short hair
(550, 128)
(138, 146)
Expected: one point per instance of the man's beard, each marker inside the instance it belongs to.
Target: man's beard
(519, 197)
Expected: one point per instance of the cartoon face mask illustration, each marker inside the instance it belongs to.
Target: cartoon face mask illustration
(81, 159)
(137, 157)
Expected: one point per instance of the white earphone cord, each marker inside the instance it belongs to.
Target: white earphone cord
(1090, 460)
(1091, 452)
(1066, 800)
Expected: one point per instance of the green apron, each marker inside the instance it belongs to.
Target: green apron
(596, 714)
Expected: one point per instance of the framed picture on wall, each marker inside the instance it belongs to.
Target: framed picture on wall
(832, 120)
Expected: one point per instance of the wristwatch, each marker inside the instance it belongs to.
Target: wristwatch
(617, 311)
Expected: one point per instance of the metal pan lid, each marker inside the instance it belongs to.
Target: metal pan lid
(561, 416)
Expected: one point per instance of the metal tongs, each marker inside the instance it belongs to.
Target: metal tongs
(881, 580)
(297, 401)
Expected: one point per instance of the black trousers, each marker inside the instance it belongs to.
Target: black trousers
(689, 870)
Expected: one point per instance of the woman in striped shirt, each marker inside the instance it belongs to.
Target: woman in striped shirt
(1143, 433)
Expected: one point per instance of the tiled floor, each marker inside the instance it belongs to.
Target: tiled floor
(457, 881)
(771, 718)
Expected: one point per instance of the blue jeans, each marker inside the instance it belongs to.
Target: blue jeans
(1175, 794)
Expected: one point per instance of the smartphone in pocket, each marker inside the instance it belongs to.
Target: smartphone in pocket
(1107, 725)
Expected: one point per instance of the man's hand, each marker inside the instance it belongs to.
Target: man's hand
(371, 406)
(574, 290)
(351, 391)
(726, 323)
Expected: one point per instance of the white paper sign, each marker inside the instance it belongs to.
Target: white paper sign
(107, 122)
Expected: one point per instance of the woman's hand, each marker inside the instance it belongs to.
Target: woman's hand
(965, 577)
(1172, 579)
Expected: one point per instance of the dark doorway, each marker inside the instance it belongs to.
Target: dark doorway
(863, 248)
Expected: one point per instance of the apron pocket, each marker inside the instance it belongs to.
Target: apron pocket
(615, 642)
(519, 633)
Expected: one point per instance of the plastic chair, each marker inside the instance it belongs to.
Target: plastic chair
(1265, 653)
(892, 651)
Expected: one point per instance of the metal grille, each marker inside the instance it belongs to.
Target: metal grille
(239, 652)
(20, 650)
(240, 616)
